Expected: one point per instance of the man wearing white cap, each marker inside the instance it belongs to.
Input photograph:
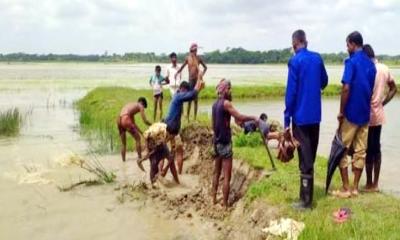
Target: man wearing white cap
(193, 61)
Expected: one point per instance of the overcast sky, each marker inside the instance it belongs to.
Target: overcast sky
(162, 26)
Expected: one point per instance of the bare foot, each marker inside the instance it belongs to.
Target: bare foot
(140, 165)
(341, 193)
(368, 189)
(354, 192)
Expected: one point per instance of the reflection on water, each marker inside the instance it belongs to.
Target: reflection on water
(390, 133)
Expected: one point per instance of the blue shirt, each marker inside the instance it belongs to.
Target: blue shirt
(173, 119)
(306, 78)
(359, 73)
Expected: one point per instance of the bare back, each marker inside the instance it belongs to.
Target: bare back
(130, 109)
(193, 66)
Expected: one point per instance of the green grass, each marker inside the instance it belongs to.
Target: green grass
(375, 216)
(10, 122)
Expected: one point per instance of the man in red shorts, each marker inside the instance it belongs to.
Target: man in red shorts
(126, 122)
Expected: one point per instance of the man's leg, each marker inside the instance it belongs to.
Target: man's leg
(227, 168)
(188, 110)
(160, 102)
(377, 169)
(122, 135)
(360, 147)
(217, 174)
(378, 157)
(173, 168)
(306, 164)
(155, 108)
(161, 167)
(369, 161)
(136, 136)
(348, 132)
(196, 102)
(179, 158)
(153, 167)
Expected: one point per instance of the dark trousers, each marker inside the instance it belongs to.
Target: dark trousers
(308, 137)
(374, 144)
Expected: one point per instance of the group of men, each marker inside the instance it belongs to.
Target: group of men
(173, 78)
(360, 117)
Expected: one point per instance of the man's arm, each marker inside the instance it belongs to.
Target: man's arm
(344, 97)
(391, 93)
(204, 66)
(181, 68)
(291, 93)
(324, 76)
(164, 81)
(346, 80)
(143, 115)
(235, 114)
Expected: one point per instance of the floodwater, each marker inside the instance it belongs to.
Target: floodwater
(32, 163)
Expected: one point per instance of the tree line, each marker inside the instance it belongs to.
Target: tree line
(228, 56)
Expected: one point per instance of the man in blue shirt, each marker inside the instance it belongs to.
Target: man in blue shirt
(306, 78)
(173, 119)
(355, 107)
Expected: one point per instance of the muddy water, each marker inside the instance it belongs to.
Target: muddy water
(390, 134)
(33, 165)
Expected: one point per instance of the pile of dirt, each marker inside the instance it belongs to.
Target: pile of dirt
(239, 222)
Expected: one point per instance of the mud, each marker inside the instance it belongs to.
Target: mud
(240, 221)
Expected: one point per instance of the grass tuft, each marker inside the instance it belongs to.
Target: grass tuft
(10, 122)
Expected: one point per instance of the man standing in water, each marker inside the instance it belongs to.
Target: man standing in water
(193, 61)
(174, 80)
(173, 119)
(306, 78)
(222, 111)
(126, 122)
(355, 109)
(380, 98)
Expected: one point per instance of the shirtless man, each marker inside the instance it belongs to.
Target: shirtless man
(222, 110)
(193, 61)
(126, 122)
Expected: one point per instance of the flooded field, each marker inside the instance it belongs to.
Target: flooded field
(33, 207)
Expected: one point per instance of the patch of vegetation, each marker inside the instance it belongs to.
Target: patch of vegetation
(10, 122)
(247, 140)
(375, 215)
(94, 166)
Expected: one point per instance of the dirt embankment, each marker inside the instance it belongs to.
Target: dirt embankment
(242, 220)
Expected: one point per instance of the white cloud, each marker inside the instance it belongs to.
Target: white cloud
(92, 26)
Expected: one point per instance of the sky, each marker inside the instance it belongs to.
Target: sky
(162, 26)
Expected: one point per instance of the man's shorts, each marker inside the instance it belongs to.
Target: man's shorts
(159, 95)
(223, 151)
(356, 137)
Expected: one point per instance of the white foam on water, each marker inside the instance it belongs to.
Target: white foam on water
(30, 174)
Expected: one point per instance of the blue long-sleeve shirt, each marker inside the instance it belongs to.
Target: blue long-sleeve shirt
(359, 73)
(306, 78)
(173, 119)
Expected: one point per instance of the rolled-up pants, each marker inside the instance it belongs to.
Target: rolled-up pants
(354, 136)
(308, 137)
